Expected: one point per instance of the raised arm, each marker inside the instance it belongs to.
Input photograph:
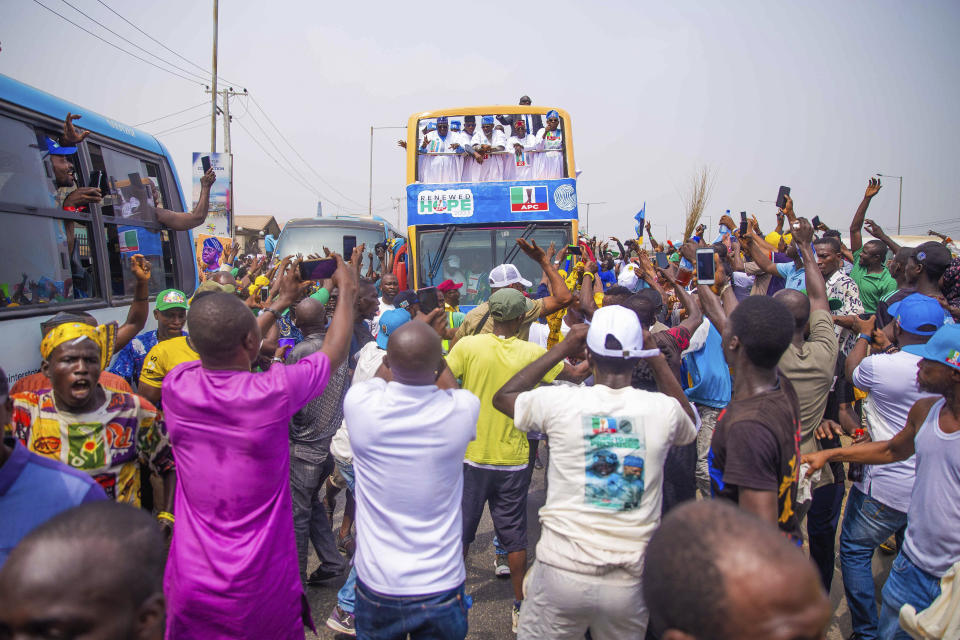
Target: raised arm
(139, 308)
(861, 349)
(560, 296)
(856, 238)
(877, 232)
(694, 314)
(187, 221)
(816, 287)
(336, 344)
(759, 256)
(587, 302)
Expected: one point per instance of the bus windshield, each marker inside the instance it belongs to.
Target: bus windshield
(307, 240)
(467, 254)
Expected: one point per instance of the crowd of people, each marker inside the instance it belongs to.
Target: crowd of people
(506, 147)
(696, 427)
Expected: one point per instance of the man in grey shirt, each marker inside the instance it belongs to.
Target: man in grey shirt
(311, 430)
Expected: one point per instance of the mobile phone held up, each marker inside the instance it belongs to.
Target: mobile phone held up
(205, 162)
(815, 222)
(349, 244)
(782, 197)
(706, 267)
(662, 261)
(743, 222)
(317, 269)
(574, 249)
(427, 297)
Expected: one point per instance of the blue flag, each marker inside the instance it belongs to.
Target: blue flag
(639, 218)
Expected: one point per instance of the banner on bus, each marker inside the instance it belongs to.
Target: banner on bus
(471, 202)
(219, 220)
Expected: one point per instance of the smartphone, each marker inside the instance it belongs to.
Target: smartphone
(96, 181)
(782, 197)
(428, 299)
(815, 222)
(349, 244)
(264, 294)
(317, 269)
(706, 267)
(574, 249)
(662, 261)
(743, 222)
(205, 162)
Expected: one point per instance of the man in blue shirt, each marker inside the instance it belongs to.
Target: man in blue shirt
(33, 489)
(171, 316)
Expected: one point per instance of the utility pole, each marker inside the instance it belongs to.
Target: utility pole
(213, 92)
(226, 119)
(586, 222)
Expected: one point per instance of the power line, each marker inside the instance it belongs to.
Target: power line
(269, 155)
(115, 46)
(130, 42)
(302, 159)
(178, 130)
(206, 71)
(182, 125)
(287, 160)
(175, 113)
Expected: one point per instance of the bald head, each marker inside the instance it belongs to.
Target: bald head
(414, 353)
(714, 571)
(224, 277)
(219, 324)
(797, 304)
(311, 315)
(98, 567)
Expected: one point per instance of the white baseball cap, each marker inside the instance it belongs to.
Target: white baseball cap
(628, 278)
(503, 275)
(622, 324)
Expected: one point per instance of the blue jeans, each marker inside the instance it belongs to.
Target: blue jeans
(347, 597)
(907, 584)
(440, 616)
(866, 524)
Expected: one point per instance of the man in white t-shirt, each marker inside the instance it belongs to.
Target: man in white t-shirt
(607, 447)
(409, 428)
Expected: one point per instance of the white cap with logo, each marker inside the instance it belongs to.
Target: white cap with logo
(621, 324)
(503, 275)
(628, 278)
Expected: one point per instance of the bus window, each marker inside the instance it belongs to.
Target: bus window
(123, 241)
(506, 249)
(46, 260)
(26, 177)
(129, 182)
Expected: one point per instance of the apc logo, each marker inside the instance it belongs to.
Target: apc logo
(529, 199)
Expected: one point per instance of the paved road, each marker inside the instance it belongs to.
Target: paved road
(492, 597)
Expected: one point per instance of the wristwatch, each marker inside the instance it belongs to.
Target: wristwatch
(864, 336)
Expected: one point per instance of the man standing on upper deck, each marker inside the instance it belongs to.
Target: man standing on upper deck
(447, 165)
(488, 142)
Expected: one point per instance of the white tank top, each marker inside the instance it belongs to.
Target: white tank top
(932, 541)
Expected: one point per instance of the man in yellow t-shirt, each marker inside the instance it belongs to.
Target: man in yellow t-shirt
(495, 464)
(160, 360)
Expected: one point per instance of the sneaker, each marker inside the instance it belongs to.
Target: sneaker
(501, 568)
(342, 621)
(516, 615)
(321, 575)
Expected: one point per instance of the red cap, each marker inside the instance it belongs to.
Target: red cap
(448, 285)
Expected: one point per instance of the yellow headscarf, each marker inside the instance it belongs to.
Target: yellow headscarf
(261, 281)
(104, 335)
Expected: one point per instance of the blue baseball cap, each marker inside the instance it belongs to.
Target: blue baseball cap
(918, 314)
(388, 323)
(943, 347)
(55, 149)
(405, 299)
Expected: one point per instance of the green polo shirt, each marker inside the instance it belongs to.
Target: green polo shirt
(873, 286)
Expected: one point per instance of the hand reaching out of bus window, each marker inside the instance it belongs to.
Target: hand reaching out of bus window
(82, 196)
(141, 267)
(402, 143)
(71, 136)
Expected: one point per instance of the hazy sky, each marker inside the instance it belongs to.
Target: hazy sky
(815, 95)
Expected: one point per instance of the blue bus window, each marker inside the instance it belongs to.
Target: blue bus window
(26, 177)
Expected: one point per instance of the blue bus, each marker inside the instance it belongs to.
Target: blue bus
(77, 258)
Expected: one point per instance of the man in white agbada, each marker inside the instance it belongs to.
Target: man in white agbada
(447, 165)
(471, 168)
(519, 164)
(548, 164)
(486, 142)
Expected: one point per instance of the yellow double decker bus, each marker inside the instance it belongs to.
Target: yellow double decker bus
(478, 179)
